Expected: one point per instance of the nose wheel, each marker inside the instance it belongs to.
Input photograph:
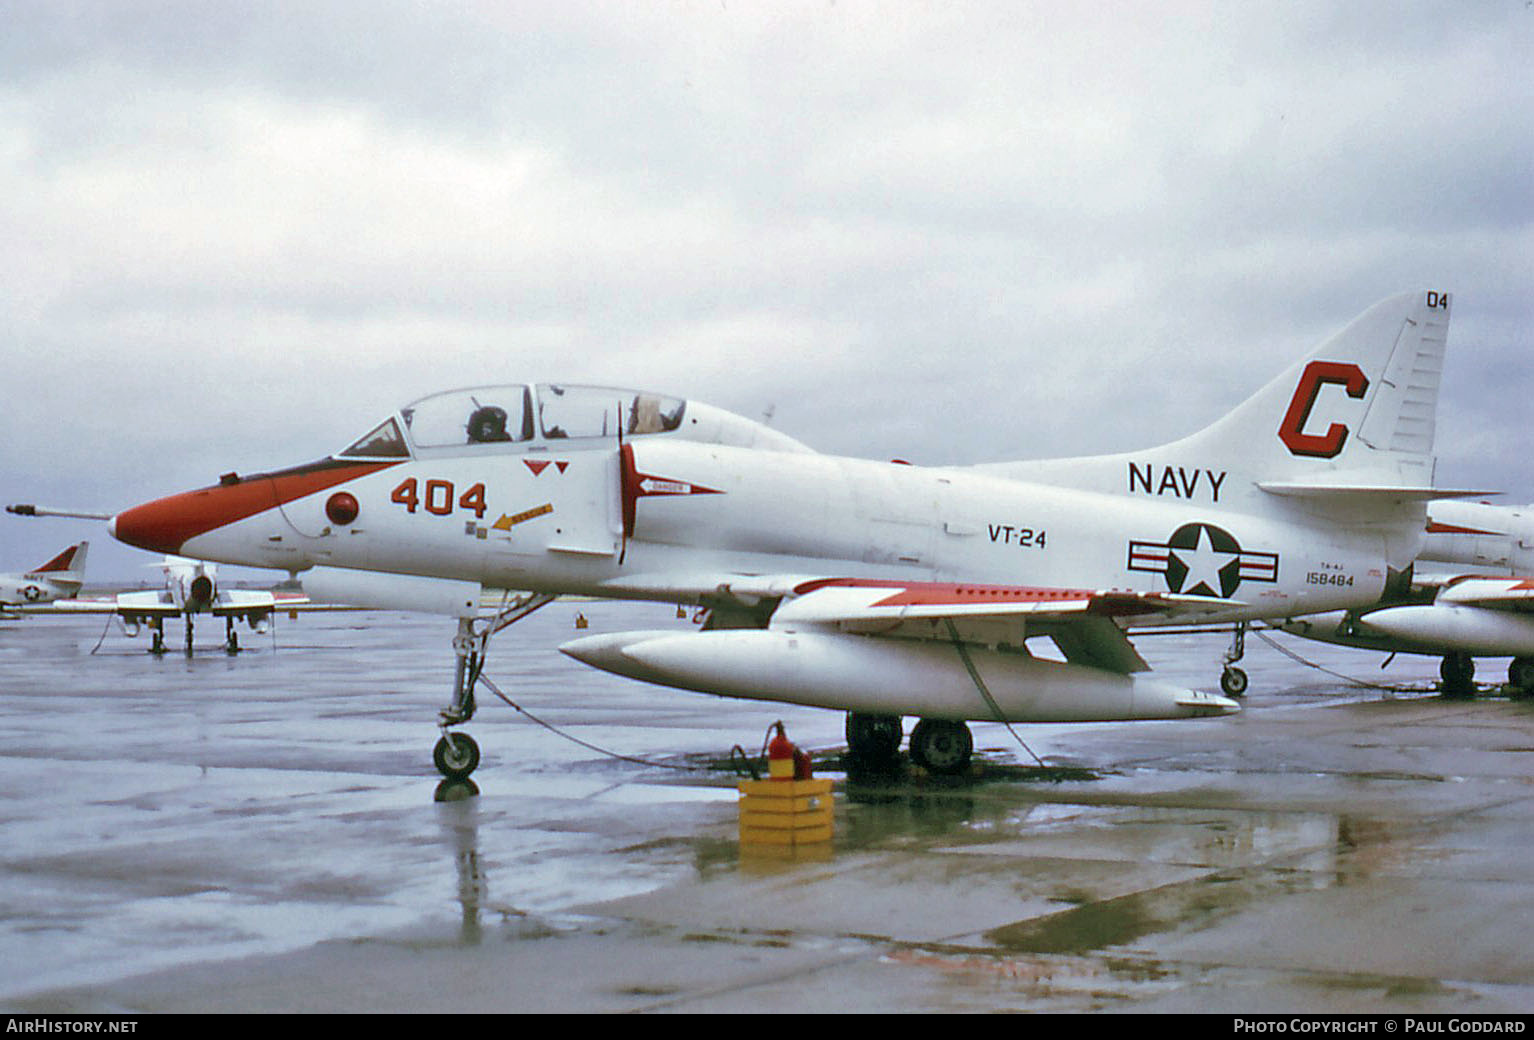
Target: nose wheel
(456, 755)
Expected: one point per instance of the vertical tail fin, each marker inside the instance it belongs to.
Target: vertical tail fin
(1358, 412)
(67, 568)
(67, 565)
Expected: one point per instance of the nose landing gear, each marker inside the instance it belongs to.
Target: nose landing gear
(456, 754)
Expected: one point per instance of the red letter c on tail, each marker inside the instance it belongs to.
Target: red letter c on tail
(1317, 374)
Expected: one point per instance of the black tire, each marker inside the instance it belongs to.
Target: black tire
(1520, 676)
(456, 756)
(1233, 682)
(942, 747)
(1458, 674)
(873, 740)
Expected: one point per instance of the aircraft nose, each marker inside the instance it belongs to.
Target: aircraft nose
(165, 525)
(151, 526)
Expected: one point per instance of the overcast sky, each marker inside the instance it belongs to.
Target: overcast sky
(235, 235)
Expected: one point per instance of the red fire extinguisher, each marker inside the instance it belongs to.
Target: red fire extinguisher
(784, 760)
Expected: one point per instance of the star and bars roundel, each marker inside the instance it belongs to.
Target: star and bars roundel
(1203, 560)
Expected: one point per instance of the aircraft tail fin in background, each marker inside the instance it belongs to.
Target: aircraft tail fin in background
(67, 566)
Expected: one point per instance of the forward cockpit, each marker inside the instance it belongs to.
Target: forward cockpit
(532, 416)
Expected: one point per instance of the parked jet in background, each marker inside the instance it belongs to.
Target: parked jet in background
(59, 578)
(190, 588)
(1483, 610)
(879, 589)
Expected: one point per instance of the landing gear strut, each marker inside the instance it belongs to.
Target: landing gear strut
(456, 754)
(1233, 680)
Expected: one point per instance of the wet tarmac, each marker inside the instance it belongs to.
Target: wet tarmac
(263, 833)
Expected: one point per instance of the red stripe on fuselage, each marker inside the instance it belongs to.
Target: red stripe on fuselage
(166, 524)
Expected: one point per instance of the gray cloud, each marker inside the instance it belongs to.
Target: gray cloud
(238, 233)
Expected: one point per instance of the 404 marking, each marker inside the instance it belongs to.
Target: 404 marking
(439, 497)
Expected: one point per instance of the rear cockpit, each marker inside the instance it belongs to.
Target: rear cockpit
(531, 418)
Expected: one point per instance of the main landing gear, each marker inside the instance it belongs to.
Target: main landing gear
(456, 754)
(1458, 674)
(1233, 680)
(157, 635)
(1520, 676)
(939, 746)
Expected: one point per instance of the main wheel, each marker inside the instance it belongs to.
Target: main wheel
(942, 747)
(1520, 674)
(1233, 681)
(1458, 673)
(873, 740)
(456, 755)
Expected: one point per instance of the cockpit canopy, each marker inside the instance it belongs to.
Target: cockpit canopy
(522, 414)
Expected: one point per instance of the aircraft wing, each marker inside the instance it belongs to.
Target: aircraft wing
(151, 603)
(852, 600)
(242, 601)
(147, 603)
(1086, 624)
(1513, 594)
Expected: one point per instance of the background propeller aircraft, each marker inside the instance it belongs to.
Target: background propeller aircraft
(1485, 611)
(879, 589)
(57, 579)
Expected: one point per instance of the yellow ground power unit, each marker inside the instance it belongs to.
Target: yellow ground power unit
(785, 813)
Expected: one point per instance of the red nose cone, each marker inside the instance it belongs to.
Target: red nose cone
(165, 524)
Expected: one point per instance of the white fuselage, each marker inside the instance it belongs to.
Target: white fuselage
(552, 518)
(19, 590)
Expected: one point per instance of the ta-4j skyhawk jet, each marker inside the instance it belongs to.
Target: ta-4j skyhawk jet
(190, 588)
(1484, 608)
(879, 589)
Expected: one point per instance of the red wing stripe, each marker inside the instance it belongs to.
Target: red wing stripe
(1437, 528)
(938, 593)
